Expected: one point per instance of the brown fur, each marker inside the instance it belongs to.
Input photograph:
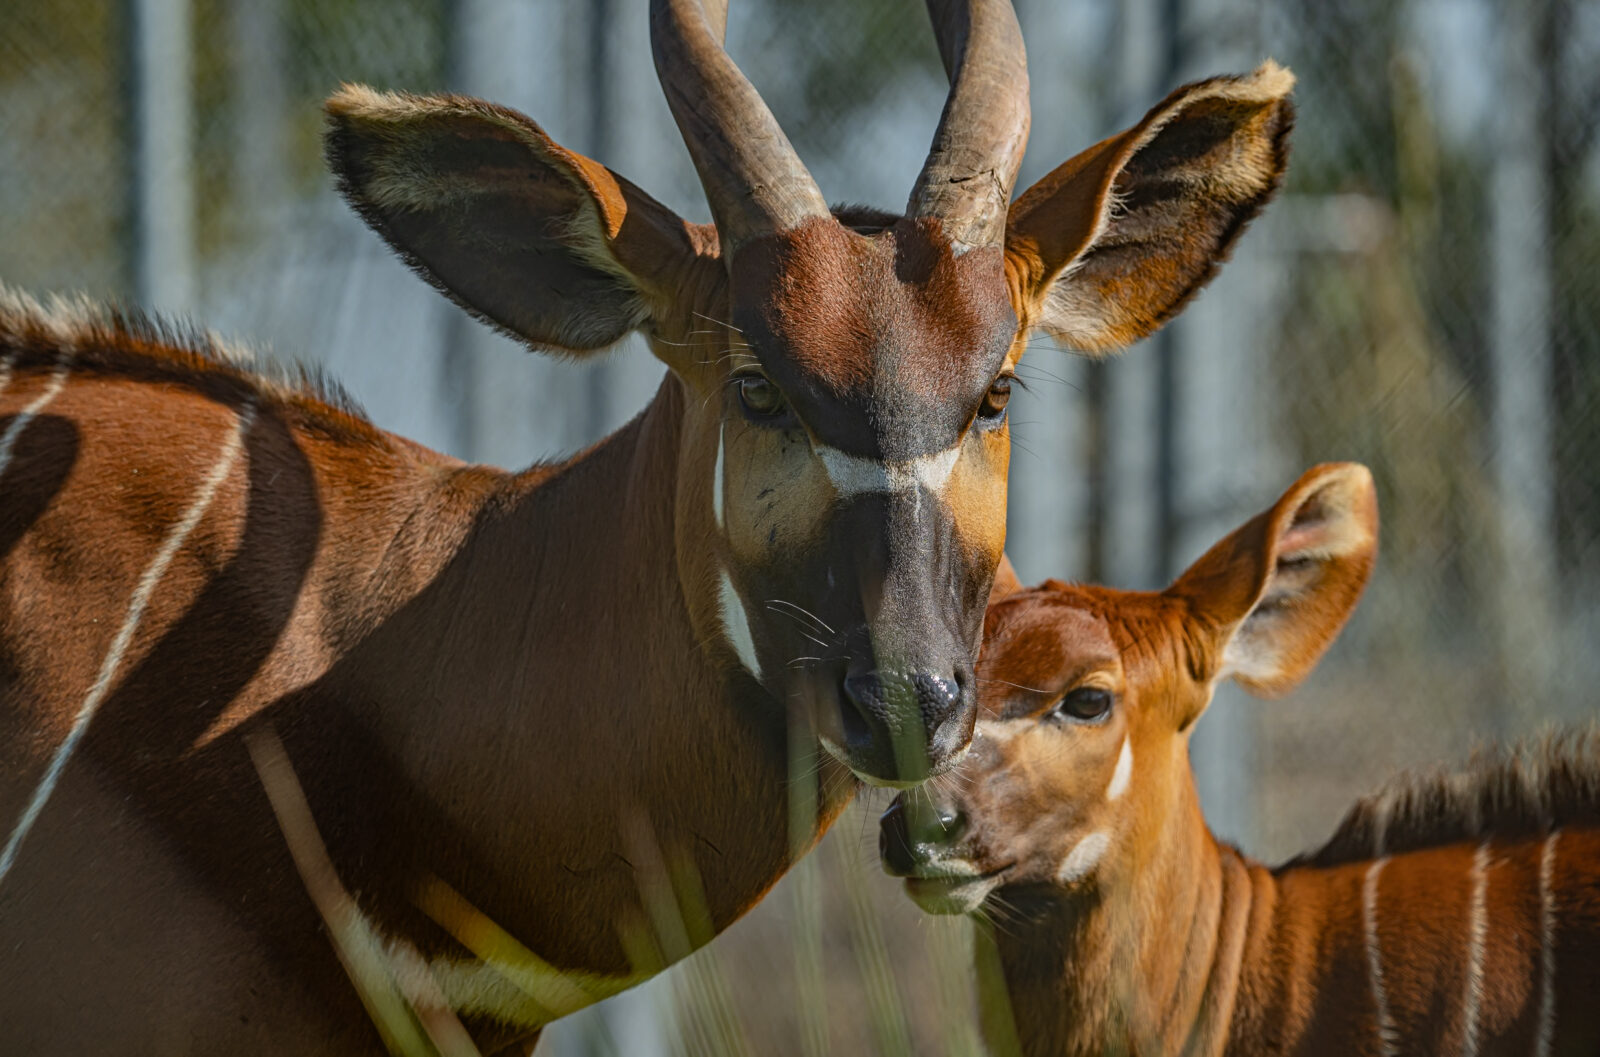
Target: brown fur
(349, 589)
(1169, 942)
(516, 684)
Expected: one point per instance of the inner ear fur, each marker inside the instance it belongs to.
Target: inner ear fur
(1272, 596)
(1113, 242)
(544, 244)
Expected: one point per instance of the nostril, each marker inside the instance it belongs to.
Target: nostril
(894, 842)
(937, 690)
(860, 693)
(938, 697)
(933, 825)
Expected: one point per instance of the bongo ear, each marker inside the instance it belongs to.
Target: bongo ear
(1275, 593)
(1113, 243)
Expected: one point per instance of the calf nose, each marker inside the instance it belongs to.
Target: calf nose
(912, 835)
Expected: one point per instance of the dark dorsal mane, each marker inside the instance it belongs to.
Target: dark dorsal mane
(1528, 788)
(117, 341)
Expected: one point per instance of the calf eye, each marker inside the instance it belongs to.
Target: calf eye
(1085, 704)
(995, 400)
(760, 396)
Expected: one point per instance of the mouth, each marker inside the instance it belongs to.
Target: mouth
(953, 887)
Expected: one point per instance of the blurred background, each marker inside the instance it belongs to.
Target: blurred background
(1423, 297)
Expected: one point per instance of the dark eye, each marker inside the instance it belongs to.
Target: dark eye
(1085, 704)
(760, 396)
(995, 400)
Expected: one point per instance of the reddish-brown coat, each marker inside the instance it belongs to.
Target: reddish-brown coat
(489, 678)
(1170, 942)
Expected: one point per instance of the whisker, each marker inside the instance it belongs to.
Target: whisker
(803, 611)
(1007, 682)
(718, 322)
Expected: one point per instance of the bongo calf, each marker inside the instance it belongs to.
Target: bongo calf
(1450, 914)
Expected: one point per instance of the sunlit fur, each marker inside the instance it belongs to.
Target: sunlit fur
(1453, 912)
(495, 678)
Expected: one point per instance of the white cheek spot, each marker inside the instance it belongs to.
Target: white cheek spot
(1083, 858)
(716, 480)
(736, 626)
(853, 475)
(1123, 774)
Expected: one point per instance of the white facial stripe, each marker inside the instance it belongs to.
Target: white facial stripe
(1084, 857)
(736, 626)
(716, 479)
(853, 475)
(1124, 772)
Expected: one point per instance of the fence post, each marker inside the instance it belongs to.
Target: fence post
(261, 148)
(508, 406)
(163, 243)
(1050, 512)
(1520, 356)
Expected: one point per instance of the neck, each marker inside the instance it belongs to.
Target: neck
(1147, 962)
(1471, 946)
(556, 743)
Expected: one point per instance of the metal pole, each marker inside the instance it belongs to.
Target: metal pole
(1165, 346)
(163, 243)
(259, 104)
(1520, 355)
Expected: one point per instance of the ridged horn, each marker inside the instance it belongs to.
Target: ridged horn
(972, 165)
(753, 179)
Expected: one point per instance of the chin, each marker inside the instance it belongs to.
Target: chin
(960, 894)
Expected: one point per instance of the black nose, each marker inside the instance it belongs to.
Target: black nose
(916, 834)
(900, 725)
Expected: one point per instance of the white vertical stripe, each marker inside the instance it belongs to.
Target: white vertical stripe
(8, 439)
(1380, 823)
(716, 478)
(736, 625)
(130, 623)
(1547, 948)
(1478, 930)
(1123, 773)
(1388, 1038)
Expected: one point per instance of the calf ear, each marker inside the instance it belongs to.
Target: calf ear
(1115, 241)
(550, 247)
(1271, 598)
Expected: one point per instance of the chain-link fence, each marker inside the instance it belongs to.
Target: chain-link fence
(1424, 297)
